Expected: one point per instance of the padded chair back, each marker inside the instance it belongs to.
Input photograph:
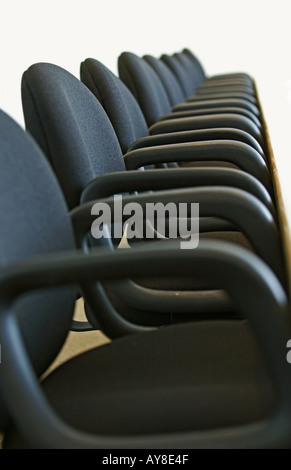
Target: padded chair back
(119, 103)
(196, 63)
(33, 221)
(182, 75)
(145, 85)
(71, 127)
(190, 67)
(167, 77)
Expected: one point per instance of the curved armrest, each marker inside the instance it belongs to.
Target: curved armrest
(207, 122)
(229, 102)
(221, 88)
(212, 111)
(82, 220)
(223, 95)
(238, 153)
(199, 135)
(238, 85)
(233, 77)
(235, 205)
(230, 267)
(240, 77)
(129, 181)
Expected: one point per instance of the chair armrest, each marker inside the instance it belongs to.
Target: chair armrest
(207, 122)
(267, 247)
(233, 76)
(235, 205)
(226, 87)
(204, 104)
(228, 266)
(129, 181)
(237, 153)
(211, 111)
(223, 95)
(231, 89)
(198, 136)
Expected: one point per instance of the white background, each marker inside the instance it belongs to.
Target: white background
(227, 35)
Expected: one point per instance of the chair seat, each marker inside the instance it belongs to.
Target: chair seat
(158, 388)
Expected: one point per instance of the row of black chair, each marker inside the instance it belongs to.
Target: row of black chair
(43, 108)
(198, 351)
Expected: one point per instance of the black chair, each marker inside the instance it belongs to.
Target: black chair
(26, 188)
(74, 131)
(115, 396)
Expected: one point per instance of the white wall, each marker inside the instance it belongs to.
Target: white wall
(227, 35)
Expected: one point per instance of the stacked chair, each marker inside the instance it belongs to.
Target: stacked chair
(197, 357)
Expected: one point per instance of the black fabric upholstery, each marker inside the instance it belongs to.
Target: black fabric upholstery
(187, 85)
(138, 75)
(192, 69)
(169, 80)
(120, 105)
(171, 380)
(196, 62)
(71, 126)
(33, 220)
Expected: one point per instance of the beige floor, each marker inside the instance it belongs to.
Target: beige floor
(78, 341)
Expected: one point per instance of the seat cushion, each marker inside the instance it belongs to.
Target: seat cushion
(193, 376)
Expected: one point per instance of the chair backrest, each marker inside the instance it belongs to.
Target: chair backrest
(71, 127)
(167, 77)
(191, 68)
(196, 62)
(181, 73)
(119, 103)
(34, 220)
(145, 85)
